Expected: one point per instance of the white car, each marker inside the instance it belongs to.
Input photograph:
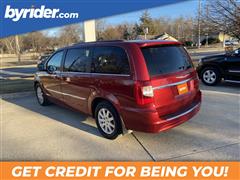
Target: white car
(231, 42)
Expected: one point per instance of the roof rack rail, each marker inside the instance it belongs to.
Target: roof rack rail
(119, 40)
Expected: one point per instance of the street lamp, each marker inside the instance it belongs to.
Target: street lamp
(199, 25)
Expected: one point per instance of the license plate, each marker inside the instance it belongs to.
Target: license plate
(182, 88)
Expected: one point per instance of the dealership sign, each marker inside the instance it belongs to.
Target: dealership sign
(17, 17)
(16, 14)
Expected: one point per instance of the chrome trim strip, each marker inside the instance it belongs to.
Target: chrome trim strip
(186, 112)
(232, 81)
(127, 75)
(172, 84)
(77, 97)
(234, 71)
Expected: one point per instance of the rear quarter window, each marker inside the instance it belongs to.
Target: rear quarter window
(110, 60)
(166, 59)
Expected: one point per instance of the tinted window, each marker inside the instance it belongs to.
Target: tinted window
(112, 60)
(166, 59)
(55, 60)
(77, 60)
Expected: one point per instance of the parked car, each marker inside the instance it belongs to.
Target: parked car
(41, 64)
(231, 42)
(46, 54)
(43, 58)
(148, 86)
(213, 69)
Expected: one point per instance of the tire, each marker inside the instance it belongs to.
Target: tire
(108, 120)
(210, 76)
(41, 97)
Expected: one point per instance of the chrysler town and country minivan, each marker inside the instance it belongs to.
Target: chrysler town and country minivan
(147, 86)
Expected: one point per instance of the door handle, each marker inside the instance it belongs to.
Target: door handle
(56, 75)
(67, 79)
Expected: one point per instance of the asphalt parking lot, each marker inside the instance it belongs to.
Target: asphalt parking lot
(32, 132)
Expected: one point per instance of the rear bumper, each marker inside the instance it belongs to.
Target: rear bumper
(149, 120)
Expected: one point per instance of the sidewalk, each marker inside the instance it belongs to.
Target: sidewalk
(17, 65)
(206, 50)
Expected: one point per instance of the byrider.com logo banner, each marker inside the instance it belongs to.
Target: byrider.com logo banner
(40, 15)
(16, 14)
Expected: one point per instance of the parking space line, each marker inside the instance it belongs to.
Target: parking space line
(219, 147)
(219, 92)
(144, 148)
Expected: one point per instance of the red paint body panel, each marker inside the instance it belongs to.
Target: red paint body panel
(79, 90)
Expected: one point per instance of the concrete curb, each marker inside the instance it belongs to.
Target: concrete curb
(203, 50)
(17, 66)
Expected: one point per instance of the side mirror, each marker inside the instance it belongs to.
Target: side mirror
(51, 69)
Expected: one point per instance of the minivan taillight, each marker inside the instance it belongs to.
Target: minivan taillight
(147, 91)
(143, 92)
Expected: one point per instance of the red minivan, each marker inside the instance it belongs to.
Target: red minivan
(147, 86)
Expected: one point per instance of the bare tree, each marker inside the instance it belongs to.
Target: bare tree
(36, 41)
(70, 34)
(100, 28)
(110, 33)
(224, 15)
(8, 44)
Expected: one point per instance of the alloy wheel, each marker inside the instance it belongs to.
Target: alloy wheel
(40, 95)
(209, 76)
(106, 121)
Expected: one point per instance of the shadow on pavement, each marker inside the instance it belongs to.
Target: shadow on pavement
(61, 114)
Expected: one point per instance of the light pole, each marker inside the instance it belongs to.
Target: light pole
(89, 31)
(199, 21)
(17, 48)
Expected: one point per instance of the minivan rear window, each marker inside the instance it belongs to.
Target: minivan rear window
(166, 59)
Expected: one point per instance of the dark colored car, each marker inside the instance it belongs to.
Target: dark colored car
(44, 57)
(213, 69)
(41, 63)
(148, 86)
(46, 54)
